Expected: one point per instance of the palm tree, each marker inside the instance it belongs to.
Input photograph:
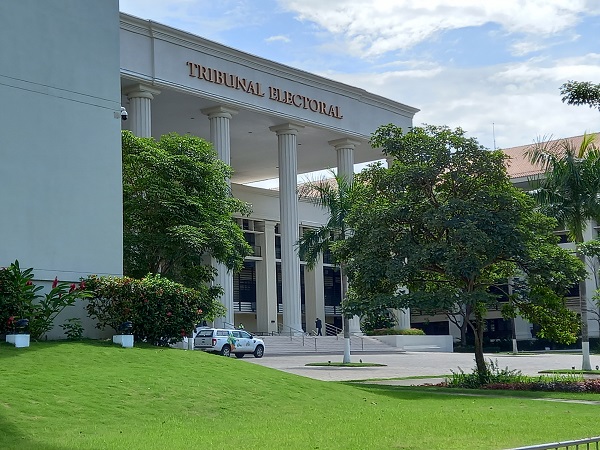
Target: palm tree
(334, 195)
(569, 190)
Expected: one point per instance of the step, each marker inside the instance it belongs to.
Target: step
(324, 344)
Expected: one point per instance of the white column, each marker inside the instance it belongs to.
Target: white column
(266, 281)
(219, 117)
(345, 168)
(140, 112)
(288, 210)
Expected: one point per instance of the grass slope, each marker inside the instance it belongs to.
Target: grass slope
(93, 395)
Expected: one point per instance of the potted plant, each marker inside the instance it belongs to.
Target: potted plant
(126, 336)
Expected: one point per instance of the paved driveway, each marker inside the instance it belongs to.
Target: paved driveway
(414, 363)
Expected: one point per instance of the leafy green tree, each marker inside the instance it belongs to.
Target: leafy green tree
(581, 93)
(445, 223)
(177, 208)
(335, 196)
(569, 190)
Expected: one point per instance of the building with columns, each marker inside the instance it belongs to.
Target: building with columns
(63, 84)
(267, 121)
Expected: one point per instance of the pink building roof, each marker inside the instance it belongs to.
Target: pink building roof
(518, 165)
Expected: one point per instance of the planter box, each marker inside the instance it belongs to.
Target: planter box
(419, 343)
(18, 340)
(125, 340)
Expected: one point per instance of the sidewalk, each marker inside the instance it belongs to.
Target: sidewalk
(399, 365)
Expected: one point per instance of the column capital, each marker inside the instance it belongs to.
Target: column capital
(141, 91)
(219, 111)
(344, 143)
(286, 128)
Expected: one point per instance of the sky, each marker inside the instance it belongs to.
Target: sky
(491, 67)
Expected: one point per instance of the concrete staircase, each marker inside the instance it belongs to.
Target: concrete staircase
(284, 345)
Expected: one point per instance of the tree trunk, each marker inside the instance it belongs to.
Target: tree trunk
(347, 358)
(463, 333)
(585, 339)
(464, 325)
(514, 336)
(346, 319)
(479, 358)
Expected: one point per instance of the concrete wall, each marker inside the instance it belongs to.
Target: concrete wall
(419, 343)
(60, 152)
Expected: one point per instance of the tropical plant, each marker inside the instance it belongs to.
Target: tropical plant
(334, 195)
(19, 299)
(73, 328)
(52, 303)
(568, 189)
(17, 295)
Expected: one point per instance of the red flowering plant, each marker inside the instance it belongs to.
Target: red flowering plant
(19, 299)
(61, 295)
(160, 311)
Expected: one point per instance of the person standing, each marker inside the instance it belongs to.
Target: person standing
(318, 326)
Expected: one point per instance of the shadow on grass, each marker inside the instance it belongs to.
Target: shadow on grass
(11, 438)
(10, 351)
(401, 392)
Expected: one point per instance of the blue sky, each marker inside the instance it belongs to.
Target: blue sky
(467, 63)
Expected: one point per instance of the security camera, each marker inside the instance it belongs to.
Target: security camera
(123, 113)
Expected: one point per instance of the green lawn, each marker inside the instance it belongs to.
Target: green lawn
(91, 395)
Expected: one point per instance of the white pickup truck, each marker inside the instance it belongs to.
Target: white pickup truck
(226, 342)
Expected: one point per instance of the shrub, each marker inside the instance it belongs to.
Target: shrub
(19, 300)
(17, 294)
(160, 311)
(73, 328)
(392, 331)
(493, 375)
(377, 319)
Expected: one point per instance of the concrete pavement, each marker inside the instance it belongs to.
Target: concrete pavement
(414, 364)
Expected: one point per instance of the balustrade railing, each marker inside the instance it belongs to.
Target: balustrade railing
(581, 444)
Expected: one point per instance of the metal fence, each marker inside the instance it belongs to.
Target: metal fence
(579, 444)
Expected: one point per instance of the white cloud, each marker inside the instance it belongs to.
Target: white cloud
(373, 28)
(279, 38)
(522, 100)
(208, 19)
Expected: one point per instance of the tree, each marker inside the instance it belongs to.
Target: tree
(581, 93)
(335, 196)
(591, 251)
(445, 223)
(177, 209)
(568, 190)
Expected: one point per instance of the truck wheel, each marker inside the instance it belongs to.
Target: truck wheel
(259, 351)
(226, 350)
(239, 355)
